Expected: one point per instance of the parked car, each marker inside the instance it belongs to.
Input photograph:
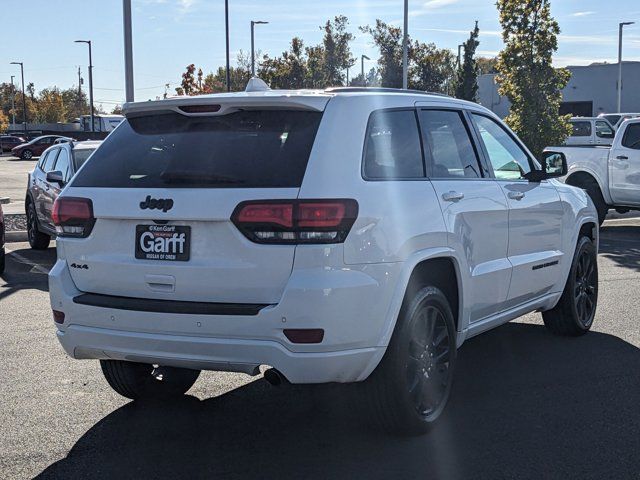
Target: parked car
(60, 140)
(35, 147)
(616, 119)
(610, 175)
(2, 252)
(590, 131)
(7, 142)
(343, 235)
(56, 167)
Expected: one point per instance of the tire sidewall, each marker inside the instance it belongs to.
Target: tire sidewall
(32, 224)
(26, 155)
(583, 244)
(399, 348)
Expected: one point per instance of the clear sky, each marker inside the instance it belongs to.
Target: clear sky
(170, 34)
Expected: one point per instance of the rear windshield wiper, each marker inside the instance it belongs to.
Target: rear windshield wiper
(197, 178)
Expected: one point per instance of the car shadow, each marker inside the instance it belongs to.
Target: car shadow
(621, 244)
(26, 269)
(525, 404)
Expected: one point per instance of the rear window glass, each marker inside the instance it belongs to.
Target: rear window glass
(244, 149)
(80, 156)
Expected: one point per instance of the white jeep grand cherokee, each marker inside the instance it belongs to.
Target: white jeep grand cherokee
(343, 235)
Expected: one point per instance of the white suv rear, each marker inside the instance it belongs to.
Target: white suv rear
(327, 234)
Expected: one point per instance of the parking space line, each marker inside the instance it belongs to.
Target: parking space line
(25, 260)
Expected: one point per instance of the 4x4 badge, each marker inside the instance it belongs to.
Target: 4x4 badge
(164, 204)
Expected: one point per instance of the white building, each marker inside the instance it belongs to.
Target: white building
(592, 90)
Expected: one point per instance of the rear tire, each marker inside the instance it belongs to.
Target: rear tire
(593, 190)
(574, 313)
(2, 260)
(37, 239)
(409, 390)
(26, 155)
(139, 381)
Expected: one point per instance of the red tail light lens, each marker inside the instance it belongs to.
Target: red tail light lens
(296, 221)
(73, 217)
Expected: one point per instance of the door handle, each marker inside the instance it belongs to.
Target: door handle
(622, 157)
(452, 196)
(516, 195)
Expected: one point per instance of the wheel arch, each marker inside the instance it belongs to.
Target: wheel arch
(583, 177)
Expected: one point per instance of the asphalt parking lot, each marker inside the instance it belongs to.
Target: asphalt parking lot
(526, 404)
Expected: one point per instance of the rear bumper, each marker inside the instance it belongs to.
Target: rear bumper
(350, 305)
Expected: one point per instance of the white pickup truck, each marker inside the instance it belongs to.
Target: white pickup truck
(610, 175)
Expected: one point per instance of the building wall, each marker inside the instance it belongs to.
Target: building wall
(592, 83)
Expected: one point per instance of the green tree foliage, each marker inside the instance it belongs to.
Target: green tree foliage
(526, 75)
(4, 122)
(467, 81)
(388, 39)
(487, 65)
(337, 53)
(75, 102)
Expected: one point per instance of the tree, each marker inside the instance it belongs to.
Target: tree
(467, 81)
(431, 69)
(526, 75)
(287, 71)
(487, 65)
(51, 108)
(337, 53)
(4, 122)
(388, 39)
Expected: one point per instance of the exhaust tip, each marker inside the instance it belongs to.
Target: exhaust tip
(274, 377)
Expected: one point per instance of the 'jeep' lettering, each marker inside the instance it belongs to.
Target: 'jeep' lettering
(149, 243)
(164, 204)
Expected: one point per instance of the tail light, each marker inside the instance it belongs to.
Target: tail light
(73, 217)
(296, 221)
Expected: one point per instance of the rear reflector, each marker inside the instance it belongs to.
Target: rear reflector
(58, 316)
(296, 221)
(73, 216)
(304, 335)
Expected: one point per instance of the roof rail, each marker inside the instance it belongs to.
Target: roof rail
(381, 90)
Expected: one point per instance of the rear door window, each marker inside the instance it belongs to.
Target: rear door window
(581, 129)
(63, 164)
(244, 149)
(447, 145)
(392, 147)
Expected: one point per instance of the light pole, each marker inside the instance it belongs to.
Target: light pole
(226, 29)
(405, 47)
(88, 42)
(362, 59)
(24, 99)
(253, 55)
(13, 101)
(621, 26)
(128, 50)
(459, 54)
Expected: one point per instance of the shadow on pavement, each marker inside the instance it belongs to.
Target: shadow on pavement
(525, 404)
(621, 244)
(26, 269)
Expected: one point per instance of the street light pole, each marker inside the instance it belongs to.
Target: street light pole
(128, 51)
(13, 101)
(620, 27)
(459, 54)
(24, 99)
(226, 28)
(253, 55)
(405, 47)
(88, 42)
(362, 59)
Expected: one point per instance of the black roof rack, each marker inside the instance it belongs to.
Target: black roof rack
(381, 90)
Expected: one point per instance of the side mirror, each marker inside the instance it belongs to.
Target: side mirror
(55, 177)
(554, 165)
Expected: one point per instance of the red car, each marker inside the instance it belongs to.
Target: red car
(7, 142)
(35, 147)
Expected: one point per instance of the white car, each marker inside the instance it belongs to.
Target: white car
(590, 131)
(610, 175)
(616, 119)
(344, 235)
